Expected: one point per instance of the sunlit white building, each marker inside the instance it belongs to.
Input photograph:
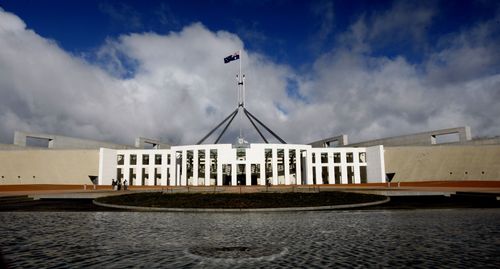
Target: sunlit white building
(253, 164)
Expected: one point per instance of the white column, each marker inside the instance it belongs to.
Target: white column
(343, 167)
(126, 173)
(274, 164)
(163, 180)
(195, 167)
(151, 175)
(286, 163)
(138, 174)
(248, 174)
(298, 160)
(262, 180)
(163, 170)
(319, 173)
(309, 174)
(233, 174)
(219, 172)
(356, 167)
(331, 171)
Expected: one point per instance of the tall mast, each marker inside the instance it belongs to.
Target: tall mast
(240, 80)
(241, 102)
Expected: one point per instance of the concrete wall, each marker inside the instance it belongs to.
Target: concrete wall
(65, 142)
(482, 141)
(375, 157)
(454, 162)
(141, 142)
(419, 139)
(15, 147)
(48, 166)
(336, 141)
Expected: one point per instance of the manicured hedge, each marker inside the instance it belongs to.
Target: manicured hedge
(247, 200)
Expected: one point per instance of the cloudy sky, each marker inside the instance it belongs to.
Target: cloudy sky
(112, 71)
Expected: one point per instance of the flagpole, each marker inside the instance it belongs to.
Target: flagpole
(240, 87)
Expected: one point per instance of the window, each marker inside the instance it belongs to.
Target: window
(120, 159)
(324, 174)
(338, 175)
(213, 166)
(362, 174)
(255, 170)
(336, 157)
(314, 174)
(281, 166)
(145, 176)
(201, 164)
(324, 157)
(145, 159)
(158, 159)
(291, 165)
(314, 157)
(240, 154)
(362, 157)
(133, 159)
(349, 157)
(268, 165)
(350, 174)
(189, 163)
(131, 176)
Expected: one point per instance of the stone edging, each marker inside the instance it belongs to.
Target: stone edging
(281, 209)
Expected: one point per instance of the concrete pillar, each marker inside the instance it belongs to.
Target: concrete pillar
(298, 174)
(343, 167)
(262, 179)
(233, 174)
(163, 176)
(219, 171)
(151, 175)
(126, 172)
(309, 171)
(248, 174)
(286, 163)
(138, 174)
(319, 173)
(331, 171)
(356, 167)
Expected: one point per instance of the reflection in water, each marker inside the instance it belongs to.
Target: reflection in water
(418, 238)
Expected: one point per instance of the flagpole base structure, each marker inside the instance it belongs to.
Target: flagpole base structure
(241, 105)
(251, 118)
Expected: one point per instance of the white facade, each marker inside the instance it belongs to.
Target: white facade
(221, 164)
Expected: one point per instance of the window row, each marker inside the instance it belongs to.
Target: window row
(145, 159)
(323, 157)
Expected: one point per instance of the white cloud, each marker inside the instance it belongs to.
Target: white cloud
(180, 88)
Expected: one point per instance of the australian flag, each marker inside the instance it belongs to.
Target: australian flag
(233, 57)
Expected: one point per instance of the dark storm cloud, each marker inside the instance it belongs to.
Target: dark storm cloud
(179, 88)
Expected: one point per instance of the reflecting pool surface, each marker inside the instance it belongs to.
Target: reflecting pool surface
(454, 238)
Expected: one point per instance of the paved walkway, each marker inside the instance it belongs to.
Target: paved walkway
(392, 189)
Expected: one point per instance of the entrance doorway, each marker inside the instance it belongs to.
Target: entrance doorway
(241, 175)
